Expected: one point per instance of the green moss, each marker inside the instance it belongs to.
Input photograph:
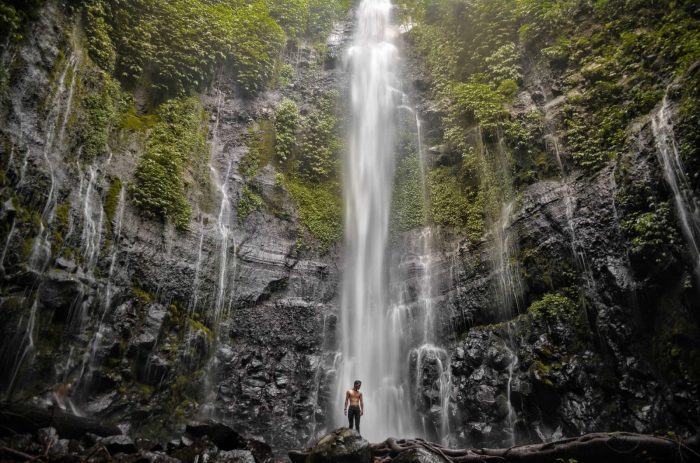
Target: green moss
(100, 46)
(554, 306)
(287, 121)
(320, 210)
(100, 104)
(451, 205)
(135, 122)
(479, 103)
(250, 202)
(177, 46)
(14, 17)
(260, 141)
(61, 226)
(285, 75)
(196, 326)
(320, 143)
(111, 201)
(144, 297)
(176, 145)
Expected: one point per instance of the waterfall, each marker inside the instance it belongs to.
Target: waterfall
(509, 291)
(432, 363)
(24, 347)
(92, 230)
(369, 346)
(59, 109)
(686, 204)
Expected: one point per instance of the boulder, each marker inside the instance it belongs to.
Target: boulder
(119, 444)
(341, 446)
(234, 456)
(221, 435)
(419, 455)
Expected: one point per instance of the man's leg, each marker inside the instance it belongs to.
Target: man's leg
(357, 420)
(350, 415)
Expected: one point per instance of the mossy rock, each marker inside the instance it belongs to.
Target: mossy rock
(341, 446)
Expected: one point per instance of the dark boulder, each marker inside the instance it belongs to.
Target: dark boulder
(341, 446)
(221, 435)
(119, 444)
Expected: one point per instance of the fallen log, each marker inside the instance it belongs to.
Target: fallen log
(16, 418)
(619, 447)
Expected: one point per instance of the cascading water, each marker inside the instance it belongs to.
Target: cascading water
(59, 112)
(227, 264)
(369, 347)
(92, 229)
(509, 291)
(432, 363)
(686, 204)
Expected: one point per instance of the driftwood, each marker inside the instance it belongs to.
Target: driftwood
(15, 418)
(599, 448)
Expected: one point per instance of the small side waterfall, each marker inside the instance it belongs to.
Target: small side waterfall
(59, 105)
(686, 204)
(508, 292)
(59, 109)
(226, 241)
(92, 229)
(432, 363)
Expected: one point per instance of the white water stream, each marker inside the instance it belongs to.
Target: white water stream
(369, 345)
(59, 109)
(686, 204)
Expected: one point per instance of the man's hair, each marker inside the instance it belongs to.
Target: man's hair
(357, 381)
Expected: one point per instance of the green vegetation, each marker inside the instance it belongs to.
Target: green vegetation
(177, 46)
(112, 198)
(320, 210)
(553, 306)
(14, 16)
(614, 63)
(101, 104)
(450, 205)
(249, 202)
(176, 144)
(261, 148)
(320, 143)
(305, 150)
(287, 119)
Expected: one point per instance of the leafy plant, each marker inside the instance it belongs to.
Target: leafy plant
(176, 143)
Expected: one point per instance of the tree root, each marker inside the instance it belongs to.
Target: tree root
(616, 446)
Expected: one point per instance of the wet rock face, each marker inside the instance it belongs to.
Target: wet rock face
(141, 321)
(556, 371)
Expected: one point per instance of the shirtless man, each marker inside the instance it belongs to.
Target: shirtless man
(357, 406)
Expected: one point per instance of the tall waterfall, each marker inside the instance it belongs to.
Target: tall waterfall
(370, 348)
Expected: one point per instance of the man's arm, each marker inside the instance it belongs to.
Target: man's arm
(347, 397)
(362, 405)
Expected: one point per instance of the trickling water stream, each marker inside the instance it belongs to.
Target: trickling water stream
(685, 202)
(58, 112)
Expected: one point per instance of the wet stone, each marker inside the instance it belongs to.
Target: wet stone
(119, 444)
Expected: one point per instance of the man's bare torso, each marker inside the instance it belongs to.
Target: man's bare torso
(354, 397)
